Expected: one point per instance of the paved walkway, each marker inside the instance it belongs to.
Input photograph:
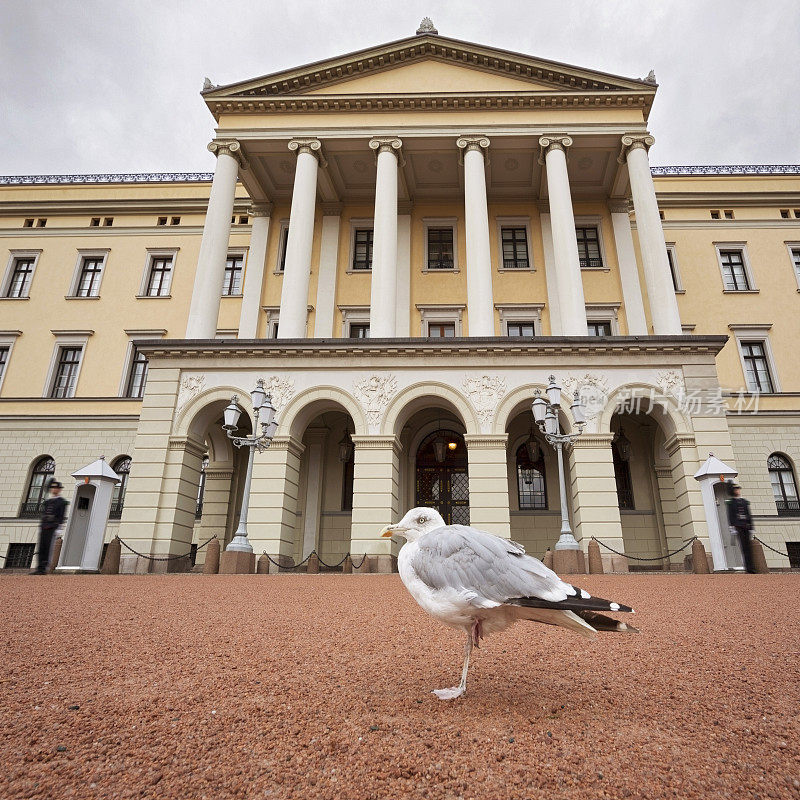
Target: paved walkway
(296, 686)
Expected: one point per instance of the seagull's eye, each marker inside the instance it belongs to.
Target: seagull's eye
(422, 520)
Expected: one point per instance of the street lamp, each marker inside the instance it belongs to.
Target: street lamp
(262, 402)
(545, 415)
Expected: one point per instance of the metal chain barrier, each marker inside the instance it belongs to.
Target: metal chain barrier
(638, 558)
(764, 544)
(165, 558)
(322, 563)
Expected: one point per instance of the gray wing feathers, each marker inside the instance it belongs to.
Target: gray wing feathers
(489, 570)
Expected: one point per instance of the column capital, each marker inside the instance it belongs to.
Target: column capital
(467, 143)
(230, 147)
(311, 146)
(482, 441)
(600, 441)
(387, 144)
(677, 441)
(631, 141)
(331, 209)
(619, 206)
(260, 210)
(555, 141)
(378, 443)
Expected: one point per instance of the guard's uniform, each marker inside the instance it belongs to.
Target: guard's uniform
(740, 519)
(53, 513)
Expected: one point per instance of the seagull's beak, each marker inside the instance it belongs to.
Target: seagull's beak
(389, 530)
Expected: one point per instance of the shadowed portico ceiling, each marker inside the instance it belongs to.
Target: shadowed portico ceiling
(431, 170)
(501, 79)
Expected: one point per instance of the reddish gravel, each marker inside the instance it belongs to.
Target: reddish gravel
(319, 687)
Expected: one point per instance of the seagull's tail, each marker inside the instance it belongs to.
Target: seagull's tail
(600, 622)
(564, 619)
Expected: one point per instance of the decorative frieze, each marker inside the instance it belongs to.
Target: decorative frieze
(190, 387)
(593, 389)
(281, 390)
(671, 383)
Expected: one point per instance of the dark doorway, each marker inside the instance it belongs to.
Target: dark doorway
(442, 480)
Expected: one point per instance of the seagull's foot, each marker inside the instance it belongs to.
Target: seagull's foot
(451, 693)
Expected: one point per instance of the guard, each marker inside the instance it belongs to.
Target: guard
(53, 512)
(741, 523)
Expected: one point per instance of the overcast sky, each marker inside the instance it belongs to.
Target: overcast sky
(113, 85)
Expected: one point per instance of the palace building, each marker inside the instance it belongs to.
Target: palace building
(405, 242)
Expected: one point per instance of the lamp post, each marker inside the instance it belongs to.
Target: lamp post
(262, 402)
(545, 414)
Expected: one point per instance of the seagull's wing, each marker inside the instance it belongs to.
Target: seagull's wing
(490, 571)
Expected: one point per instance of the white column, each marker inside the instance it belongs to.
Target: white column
(328, 262)
(254, 272)
(628, 270)
(204, 309)
(383, 308)
(480, 303)
(315, 453)
(551, 276)
(297, 268)
(403, 290)
(569, 284)
(660, 291)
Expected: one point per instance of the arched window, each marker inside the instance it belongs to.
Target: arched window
(784, 486)
(531, 483)
(201, 488)
(122, 466)
(42, 474)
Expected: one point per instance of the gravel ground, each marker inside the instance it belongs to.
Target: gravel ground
(297, 686)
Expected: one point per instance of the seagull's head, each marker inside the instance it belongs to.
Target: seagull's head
(415, 523)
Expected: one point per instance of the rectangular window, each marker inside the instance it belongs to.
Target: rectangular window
(28, 223)
(95, 223)
(89, 277)
(589, 247)
(4, 351)
(359, 330)
(440, 248)
(599, 328)
(521, 329)
(515, 248)
(41, 222)
(21, 276)
(282, 245)
(362, 248)
(715, 215)
(756, 367)
(162, 220)
(441, 330)
(19, 556)
(243, 220)
(160, 276)
(175, 221)
(69, 361)
(728, 214)
(733, 271)
(673, 269)
(138, 375)
(234, 269)
(108, 222)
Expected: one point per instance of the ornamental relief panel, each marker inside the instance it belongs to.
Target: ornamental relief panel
(485, 393)
(592, 388)
(374, 393)
(281, 390)
(190, 387)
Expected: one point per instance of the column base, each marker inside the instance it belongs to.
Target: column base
(234, 562)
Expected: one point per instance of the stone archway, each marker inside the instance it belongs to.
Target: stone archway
(442, 475)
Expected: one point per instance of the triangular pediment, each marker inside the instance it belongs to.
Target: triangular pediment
(430, 64)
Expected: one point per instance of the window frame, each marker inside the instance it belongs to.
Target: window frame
(786, 512)
(514, 222)
(65, 340)
(672, 260)
(74, 286)
(152, 255)
(33, 513)
(748, 332)
(442, 222)
(543, 473)
(357, 224)
(792, 247)
(520, 313)
(134, 337)
(7, 341)
(13, 256)
(283, 241)
(594, 221)
(607, 312)
(719, 248)
(441, 315)
(235, 252)
(353, 315)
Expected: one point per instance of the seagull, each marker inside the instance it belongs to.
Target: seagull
(481, 583)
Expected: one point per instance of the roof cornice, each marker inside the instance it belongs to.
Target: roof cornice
(452, 348)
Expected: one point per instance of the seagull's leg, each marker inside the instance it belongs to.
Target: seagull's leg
(457, 691)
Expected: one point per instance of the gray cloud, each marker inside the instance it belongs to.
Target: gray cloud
(113, 85)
